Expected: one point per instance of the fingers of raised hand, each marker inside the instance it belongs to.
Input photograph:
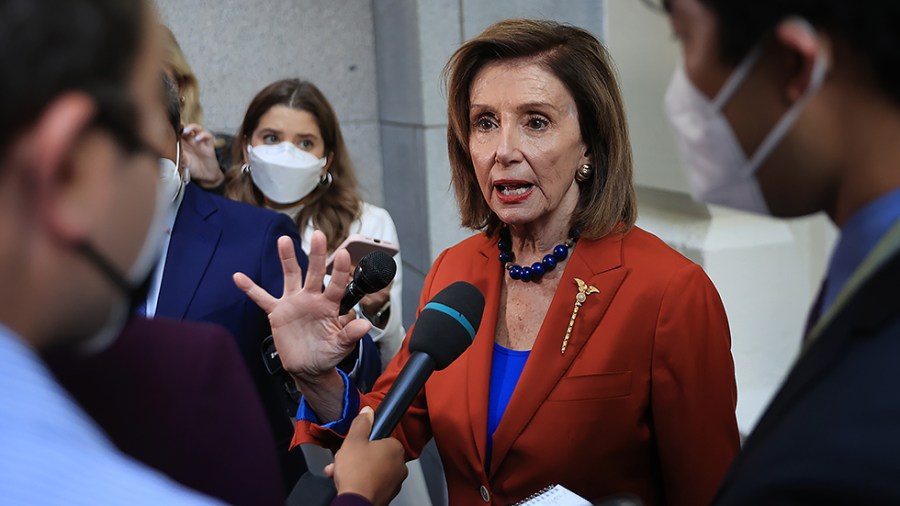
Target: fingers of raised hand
(315, 275)
(257, 294)
(353, 331)
(340, 275)
(196, 133)
(293, 276)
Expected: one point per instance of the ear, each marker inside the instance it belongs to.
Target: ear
(245, 143)
(586, 158)
(802, 39)
(328, 160)
(49, 149)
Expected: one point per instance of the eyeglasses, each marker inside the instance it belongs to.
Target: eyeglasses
(658, 5)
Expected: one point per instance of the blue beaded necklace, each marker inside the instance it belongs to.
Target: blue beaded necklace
(537, 269)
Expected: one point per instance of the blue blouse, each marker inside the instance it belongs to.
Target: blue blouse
(505, 372)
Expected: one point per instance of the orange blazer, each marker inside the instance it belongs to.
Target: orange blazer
(642, 402)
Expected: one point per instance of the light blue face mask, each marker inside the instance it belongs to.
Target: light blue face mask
(719, 171)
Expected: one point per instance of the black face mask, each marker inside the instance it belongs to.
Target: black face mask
(116, 114)
(134, 293)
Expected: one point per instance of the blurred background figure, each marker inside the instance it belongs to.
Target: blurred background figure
(155, 389)
(176, 67)
(200, 145)
(294, 160)
(78, 182)
(786, 108)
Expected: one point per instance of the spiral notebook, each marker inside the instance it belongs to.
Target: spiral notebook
(554, 495)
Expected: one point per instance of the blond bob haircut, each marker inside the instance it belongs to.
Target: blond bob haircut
(607, 200)
(185, 80)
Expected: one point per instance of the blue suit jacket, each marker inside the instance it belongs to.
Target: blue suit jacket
(213, 238)
(831, 434)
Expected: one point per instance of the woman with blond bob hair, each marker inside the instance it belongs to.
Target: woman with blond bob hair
(198, 143)
(293, 159)
(603, 360)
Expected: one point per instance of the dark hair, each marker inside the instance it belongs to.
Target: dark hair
(332, 208)
(172, 101)
(868, 27)
(49, 47)
(606, 201)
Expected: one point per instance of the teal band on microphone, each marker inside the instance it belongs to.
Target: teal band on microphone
(452, 313)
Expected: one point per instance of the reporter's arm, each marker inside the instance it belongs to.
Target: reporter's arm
(350, 500)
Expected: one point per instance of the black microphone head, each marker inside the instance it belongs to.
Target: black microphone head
(375, 271)
(447, 324)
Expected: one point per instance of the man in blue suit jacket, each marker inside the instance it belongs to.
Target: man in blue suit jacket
(213, 238)
(208, 239)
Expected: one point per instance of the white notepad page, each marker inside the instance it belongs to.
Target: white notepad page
(556, 495)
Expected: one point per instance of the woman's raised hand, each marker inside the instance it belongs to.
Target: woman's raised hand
(310, 337)
(198, 146)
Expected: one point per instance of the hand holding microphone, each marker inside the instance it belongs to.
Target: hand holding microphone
(310, 336)
(444, 330)
(353, 470)
(374, 272)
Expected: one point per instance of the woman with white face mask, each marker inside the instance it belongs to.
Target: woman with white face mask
(293, 160)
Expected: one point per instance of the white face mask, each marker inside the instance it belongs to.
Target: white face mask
(171, 181)
(283, 172)
(719, 171)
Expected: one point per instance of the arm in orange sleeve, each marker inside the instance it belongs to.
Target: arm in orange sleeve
(414, 430)
(693, 394)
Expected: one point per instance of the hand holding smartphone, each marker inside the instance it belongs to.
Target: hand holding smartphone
(359, 246)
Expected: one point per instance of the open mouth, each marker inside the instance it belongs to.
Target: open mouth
(513, 189)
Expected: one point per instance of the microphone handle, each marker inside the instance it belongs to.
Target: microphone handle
(405, 388)
(351, 297)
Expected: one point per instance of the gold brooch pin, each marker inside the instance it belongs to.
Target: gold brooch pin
(583, 291)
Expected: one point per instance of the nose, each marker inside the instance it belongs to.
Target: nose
(509, 145)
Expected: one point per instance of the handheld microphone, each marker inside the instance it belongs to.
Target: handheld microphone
(374, 272)
(444, 330)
